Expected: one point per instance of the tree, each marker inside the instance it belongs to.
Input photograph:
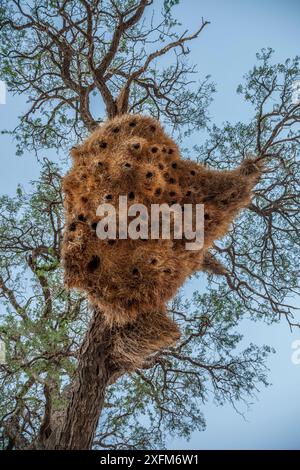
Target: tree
(71, 58)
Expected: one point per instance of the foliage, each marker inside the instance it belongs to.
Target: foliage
(48, 55)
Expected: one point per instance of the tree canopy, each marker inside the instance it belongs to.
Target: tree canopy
(78, 63)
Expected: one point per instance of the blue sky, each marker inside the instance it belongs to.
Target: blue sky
(226, 50)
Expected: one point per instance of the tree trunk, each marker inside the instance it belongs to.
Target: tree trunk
(95, 370)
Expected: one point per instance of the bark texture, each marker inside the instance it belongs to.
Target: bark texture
(75, 428)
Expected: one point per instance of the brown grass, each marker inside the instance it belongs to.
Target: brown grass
(131, 280)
